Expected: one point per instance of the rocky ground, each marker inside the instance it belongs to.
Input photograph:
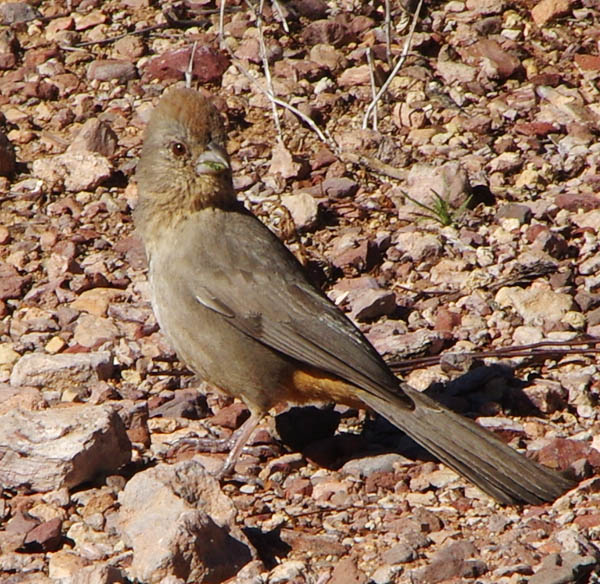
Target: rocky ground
(464, 223)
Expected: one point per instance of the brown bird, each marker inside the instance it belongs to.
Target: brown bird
(240, 311)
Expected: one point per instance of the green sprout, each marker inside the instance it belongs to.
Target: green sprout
(440, 210)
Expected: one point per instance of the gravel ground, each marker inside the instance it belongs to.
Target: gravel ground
(464, 224)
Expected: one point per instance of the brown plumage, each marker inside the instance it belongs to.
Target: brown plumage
(240, 311)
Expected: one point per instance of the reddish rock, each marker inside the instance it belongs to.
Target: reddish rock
(135, 418)
(187, 403)
(249, 50)
(41, 90)
(95, 136)
(536, 128)
(453, 561)
(21, 523)
(494, 60)
(11, 284)
(546, 78)
(546, 10)
(299, 69)
(130, 47)
(7, 156)
(358, 256)
(208, 65)
(546, 397)
(446, 320)
(380, 480)
(575, 201)
(327, 56)
(301, 541)
(310, 8)
(9, 48)
(533, 231)
(37, 56)
(515, 211)
(588, 62)
(355, 76)
(133, 250)
(232, 416)
(89, 20)
(346, 572)
(336, 188)
(589, 521)
(323, 157)
(328, 32)
(361, 24)
(562, 453)
(372, 304)
(45, 537)
(298, 486)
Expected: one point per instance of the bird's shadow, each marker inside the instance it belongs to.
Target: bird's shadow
(487, 390)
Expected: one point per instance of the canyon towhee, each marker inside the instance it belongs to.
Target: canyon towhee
(240, 311)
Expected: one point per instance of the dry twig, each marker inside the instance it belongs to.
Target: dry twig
(328, 140)
(266, 69)
(190, 68)
(373, 86)
(222, 24)
(396, 68)
(388, 32)
(544, 349)
(282, 16)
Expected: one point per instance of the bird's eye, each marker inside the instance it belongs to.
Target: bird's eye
(178, 149)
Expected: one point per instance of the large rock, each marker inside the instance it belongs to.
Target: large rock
(63, 371)
(78, 171)
(60, 447)
(537, 304)
(180, 524)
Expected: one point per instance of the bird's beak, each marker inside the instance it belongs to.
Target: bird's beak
(212, 161)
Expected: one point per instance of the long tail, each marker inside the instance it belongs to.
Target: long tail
(470, 450)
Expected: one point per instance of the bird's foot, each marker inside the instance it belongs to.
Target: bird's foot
(234, 445)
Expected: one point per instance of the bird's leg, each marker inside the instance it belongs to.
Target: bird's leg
(238, 440)
(234, 444)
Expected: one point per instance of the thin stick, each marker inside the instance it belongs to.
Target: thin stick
(396, 68)
(388, 32)
(282, 16)
(306, 119)
(265, 60)
(222, 24)
(373, 86)
(189, 72)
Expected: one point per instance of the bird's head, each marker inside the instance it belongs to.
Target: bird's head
(184, 164)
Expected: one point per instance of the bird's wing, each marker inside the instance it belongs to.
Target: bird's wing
(260, 289)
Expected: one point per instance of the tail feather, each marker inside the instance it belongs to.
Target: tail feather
(471, 450)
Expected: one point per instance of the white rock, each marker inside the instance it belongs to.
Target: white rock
(81, 171)
(62, 371)
(60, 447)
(303, 208)
(179, 523)
(536, 304)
